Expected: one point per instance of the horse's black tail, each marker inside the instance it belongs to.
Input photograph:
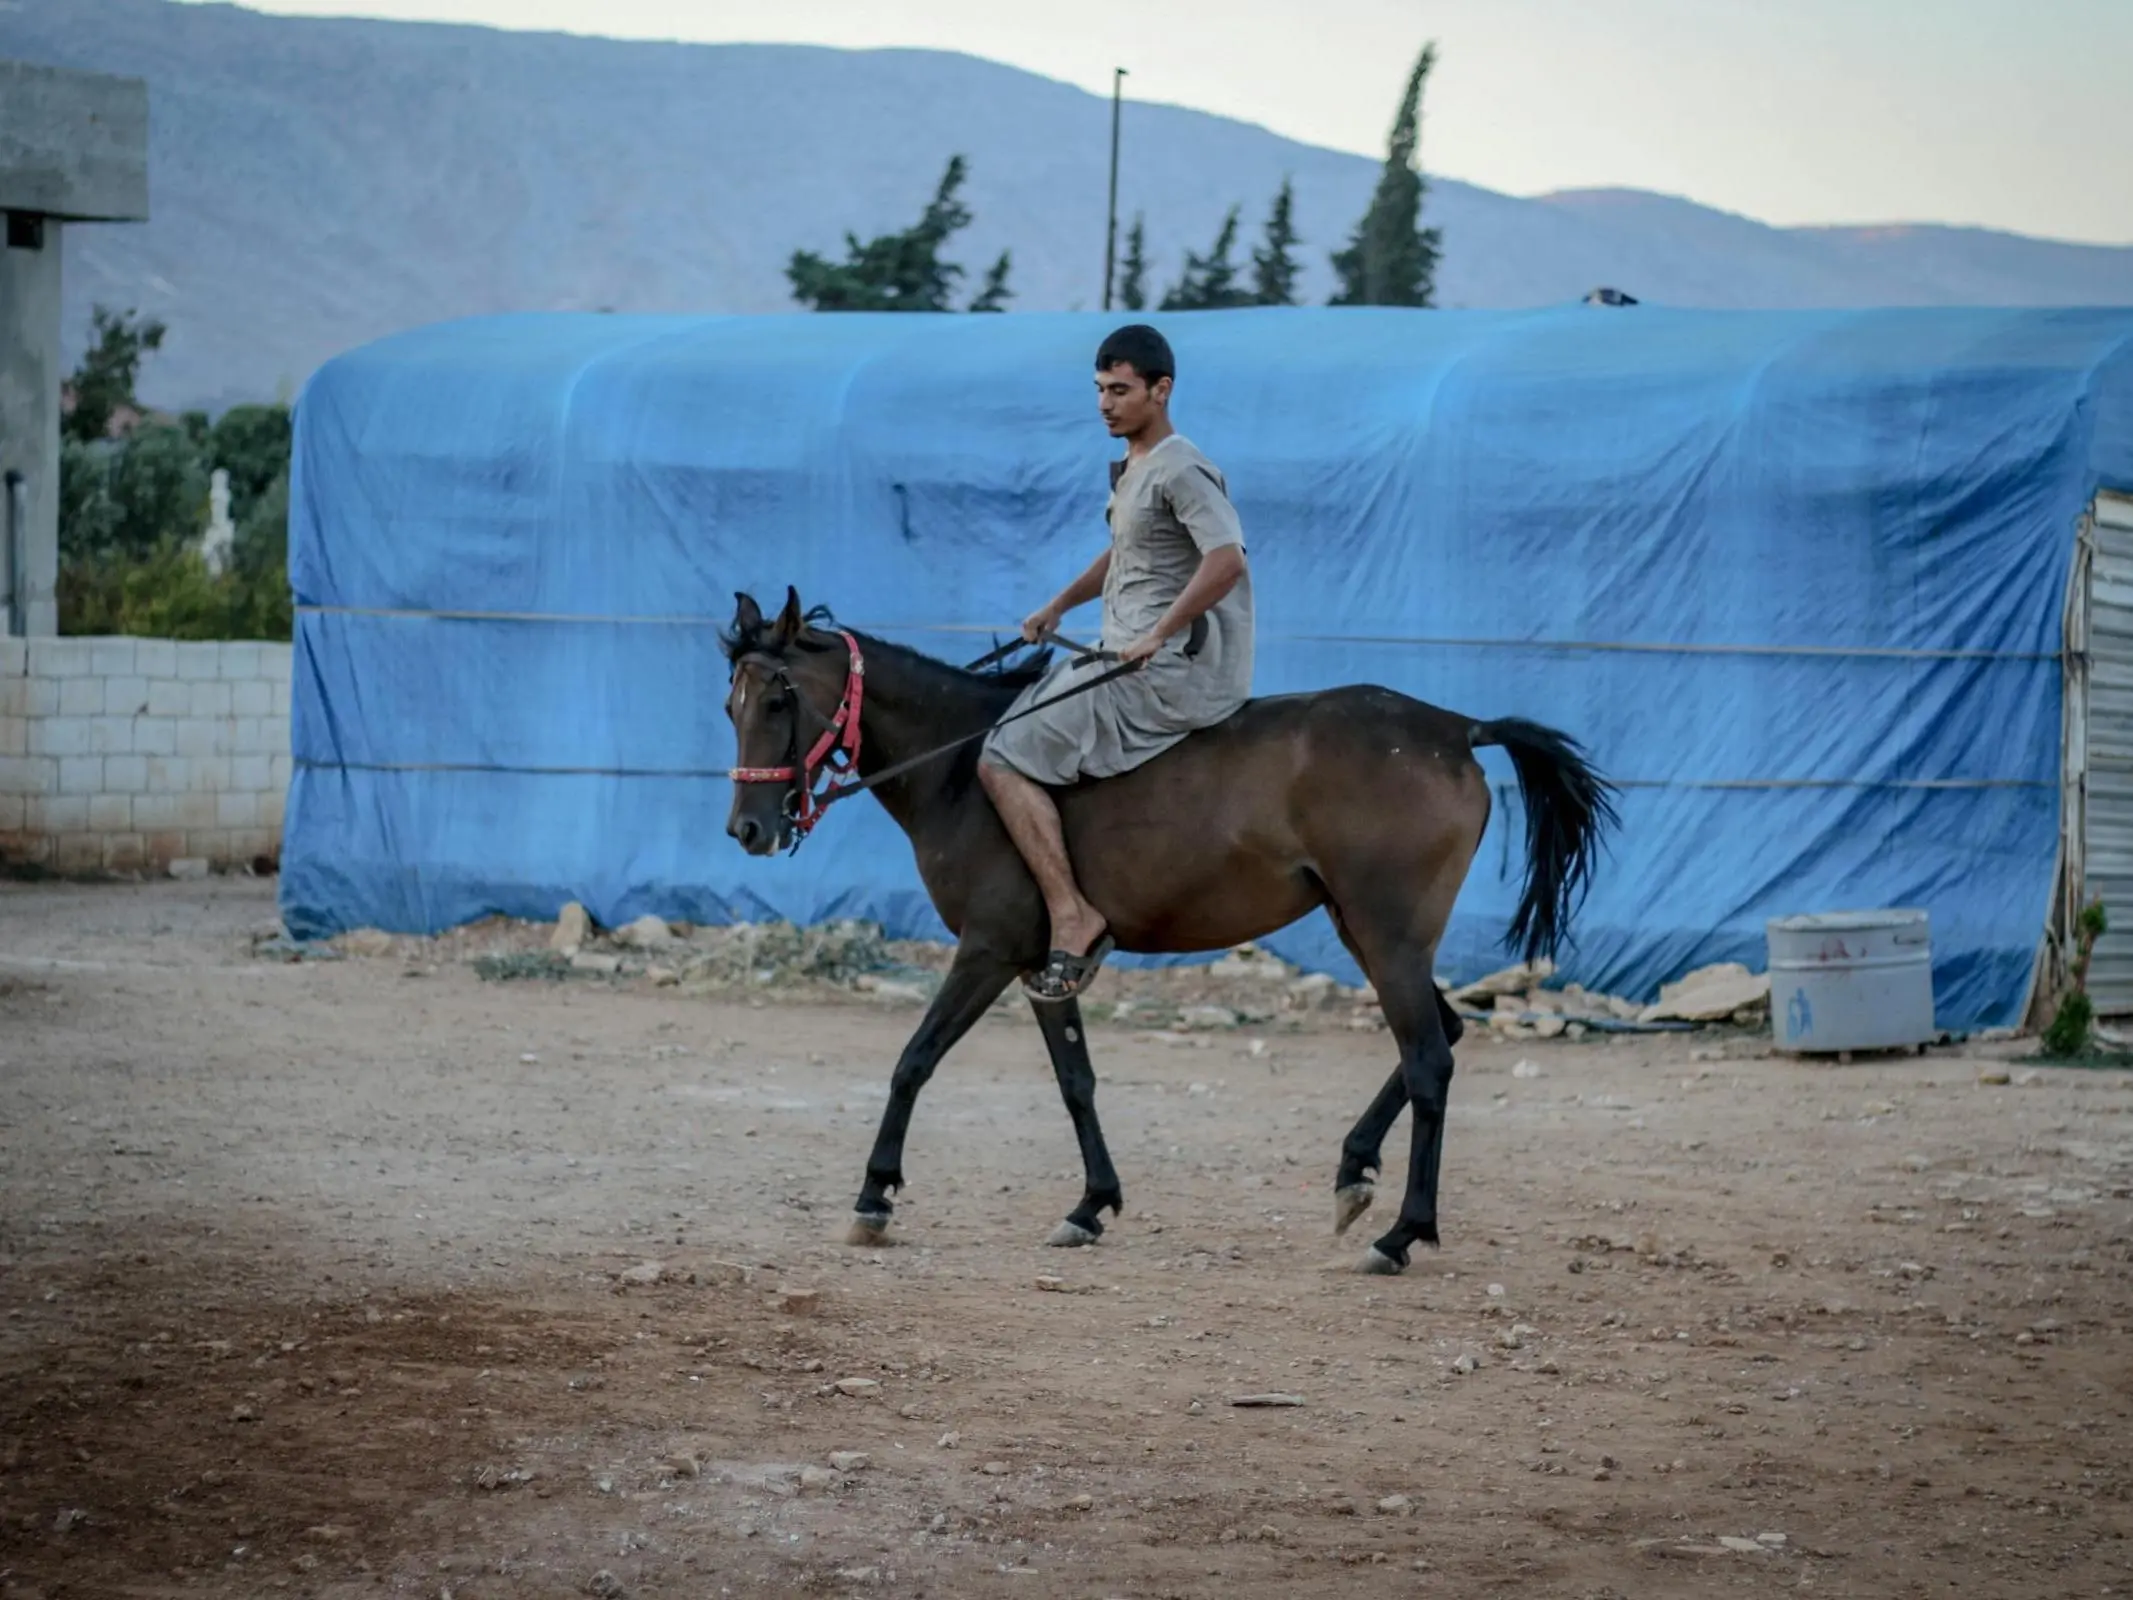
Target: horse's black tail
(1568, 805)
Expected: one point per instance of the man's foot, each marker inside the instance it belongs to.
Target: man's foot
(1067, 971)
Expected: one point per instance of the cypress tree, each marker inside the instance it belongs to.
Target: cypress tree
(1210, 281)
(1133, 276)
(1274, 262)
(1392, 259)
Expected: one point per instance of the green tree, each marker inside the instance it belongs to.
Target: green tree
(995, 294)
(109, 369)
(124, 497)
(1274, 267)
(1133, 271)
(131, 511)
(251, 443)
(1392, 259)
(897, 271)
(1210, 281)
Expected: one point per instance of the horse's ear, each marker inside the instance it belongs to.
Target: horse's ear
(747, 615)
(791, 621)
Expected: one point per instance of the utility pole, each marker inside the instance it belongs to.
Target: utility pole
(1118, 78)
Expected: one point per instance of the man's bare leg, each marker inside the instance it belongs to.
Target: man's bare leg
(1033, 823)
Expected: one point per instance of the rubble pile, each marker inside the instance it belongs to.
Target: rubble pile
(845, 954)
(1246, 987)
(1517, 1003)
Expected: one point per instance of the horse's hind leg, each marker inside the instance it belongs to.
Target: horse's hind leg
(1067, 1040)
(1426, 1072)
(1354, 1187)
(974, 981)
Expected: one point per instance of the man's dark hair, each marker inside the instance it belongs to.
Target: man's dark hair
(1140, 347)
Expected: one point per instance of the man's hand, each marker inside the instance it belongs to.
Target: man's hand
(1041, 624)
(1142, 649)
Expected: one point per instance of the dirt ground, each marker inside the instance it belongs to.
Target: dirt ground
(326, 1278)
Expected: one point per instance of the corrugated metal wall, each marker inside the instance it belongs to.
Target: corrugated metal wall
(2107, 842)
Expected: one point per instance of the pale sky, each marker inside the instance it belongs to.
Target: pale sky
(2009, 114)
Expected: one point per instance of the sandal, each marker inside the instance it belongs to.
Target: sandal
(1065, 975)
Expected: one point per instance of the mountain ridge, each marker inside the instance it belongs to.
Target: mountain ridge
(318, 182)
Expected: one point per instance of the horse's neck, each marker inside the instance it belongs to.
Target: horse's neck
(911, 708)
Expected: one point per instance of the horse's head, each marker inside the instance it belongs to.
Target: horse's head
(786, 680)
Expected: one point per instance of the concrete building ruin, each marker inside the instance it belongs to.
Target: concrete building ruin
(73, 148)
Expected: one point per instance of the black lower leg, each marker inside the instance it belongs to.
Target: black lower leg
(1067, 1041)
(1362, 1152)
(972, 984)
(1429, 1084)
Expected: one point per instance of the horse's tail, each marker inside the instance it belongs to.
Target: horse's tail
(1568, 806)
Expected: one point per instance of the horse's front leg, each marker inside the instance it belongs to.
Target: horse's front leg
(1068, 1042)
(974, 981)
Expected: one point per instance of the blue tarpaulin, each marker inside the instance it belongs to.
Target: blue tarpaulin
(1796, 580)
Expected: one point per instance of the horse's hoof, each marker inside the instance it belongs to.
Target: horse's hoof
(869, 1232)
(1377, 1264)
(1352, 1202)
(1070, 1236)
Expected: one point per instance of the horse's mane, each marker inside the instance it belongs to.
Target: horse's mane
(820, 634)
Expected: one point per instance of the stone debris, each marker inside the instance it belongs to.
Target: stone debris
(1711, 994)
(573, 930)
(646, 1272)
(857, 1388)
(1246, 988)
(850, 1460)
(646, 933)
(819, 1478)
(1515, 981)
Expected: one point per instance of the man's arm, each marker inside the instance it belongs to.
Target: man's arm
(1082, 590)
(1218, 573)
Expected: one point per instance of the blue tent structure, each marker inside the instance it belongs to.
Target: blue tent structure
(1797, 580)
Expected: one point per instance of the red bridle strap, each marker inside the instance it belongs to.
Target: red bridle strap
(835, 753)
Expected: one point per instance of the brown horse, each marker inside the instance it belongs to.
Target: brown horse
(1357, 799)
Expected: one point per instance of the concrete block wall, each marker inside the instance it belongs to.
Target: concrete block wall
(129, 754)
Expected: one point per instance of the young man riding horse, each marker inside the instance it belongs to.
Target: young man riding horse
(1175, 568)
(1356, 799)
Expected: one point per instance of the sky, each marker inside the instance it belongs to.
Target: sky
(1994, 113)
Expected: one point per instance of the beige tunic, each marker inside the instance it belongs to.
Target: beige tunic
(1167, 509)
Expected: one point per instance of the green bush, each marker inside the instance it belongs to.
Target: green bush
(132, 513)
(2072, 1030)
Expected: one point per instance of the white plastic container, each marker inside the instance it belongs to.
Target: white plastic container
(1851, 980)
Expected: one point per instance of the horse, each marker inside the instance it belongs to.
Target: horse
(1358, 799)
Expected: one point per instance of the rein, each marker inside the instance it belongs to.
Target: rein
(836, 752)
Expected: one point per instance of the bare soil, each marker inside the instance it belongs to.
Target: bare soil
(327, 1278)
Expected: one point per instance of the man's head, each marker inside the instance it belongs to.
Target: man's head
(1134, 372)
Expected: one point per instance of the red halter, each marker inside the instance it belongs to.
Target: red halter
(836, 752)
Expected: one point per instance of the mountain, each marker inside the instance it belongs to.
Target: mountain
(317, 183)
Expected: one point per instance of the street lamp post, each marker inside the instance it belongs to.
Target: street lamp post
(1118, 78)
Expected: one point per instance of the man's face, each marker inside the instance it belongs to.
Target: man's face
(1128, 402)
